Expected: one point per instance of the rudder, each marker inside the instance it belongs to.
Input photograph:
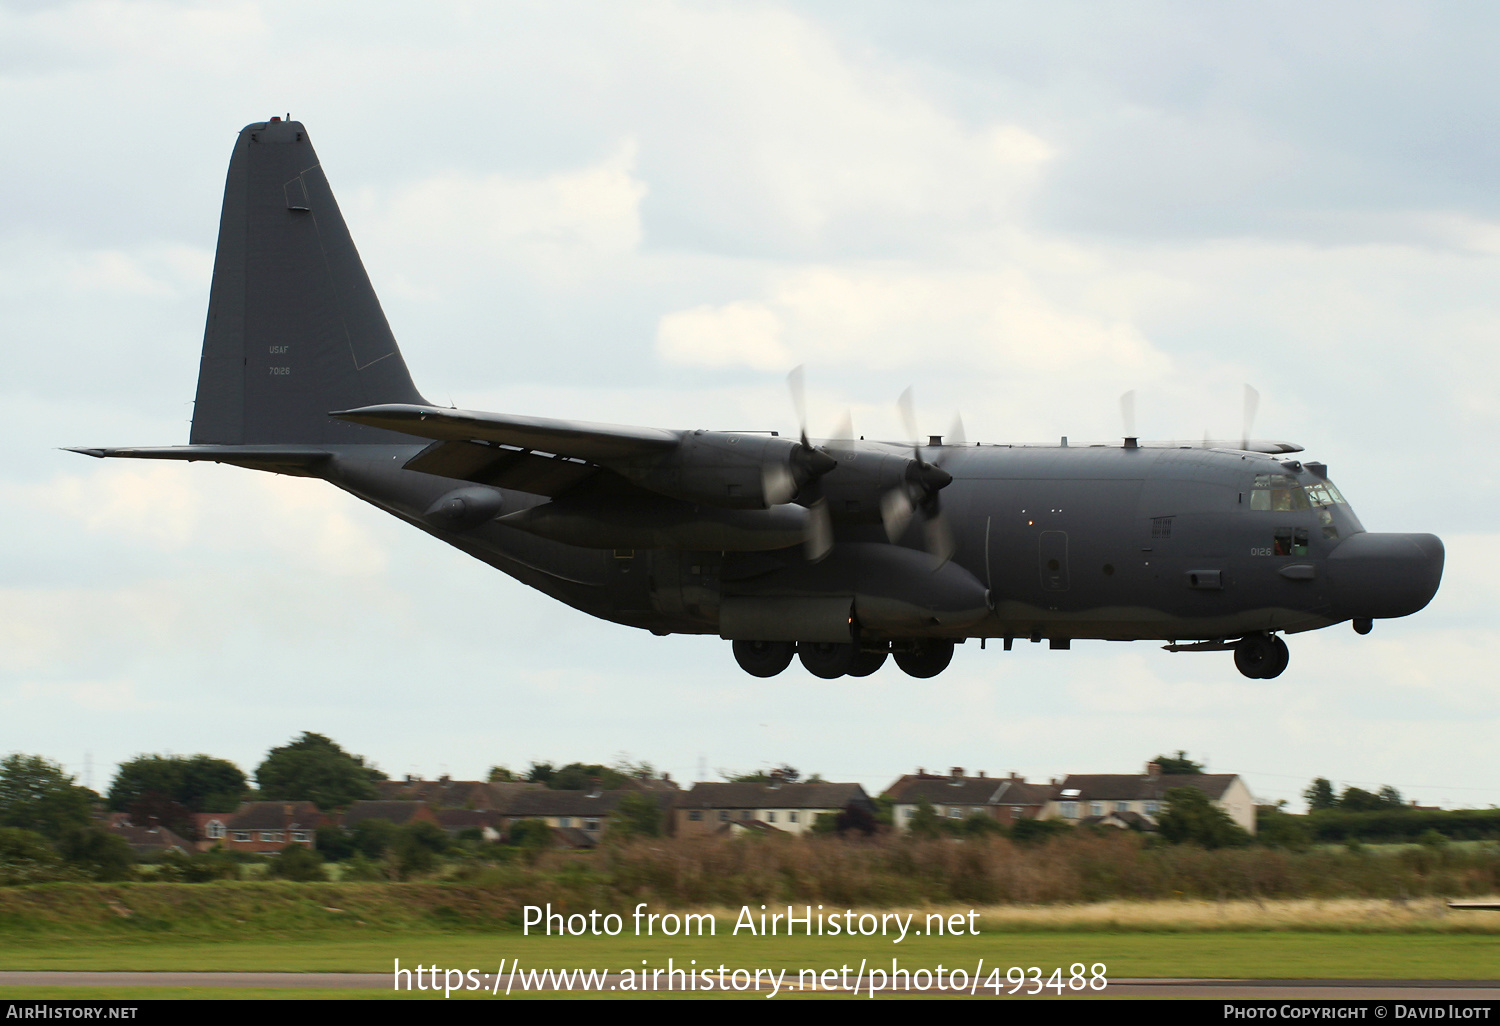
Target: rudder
(294, 327)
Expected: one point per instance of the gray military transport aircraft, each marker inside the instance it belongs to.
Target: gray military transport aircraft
(839, 552)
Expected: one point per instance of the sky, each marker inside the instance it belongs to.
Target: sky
(648, 213)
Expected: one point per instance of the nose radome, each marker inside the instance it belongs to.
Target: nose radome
(1385, 575)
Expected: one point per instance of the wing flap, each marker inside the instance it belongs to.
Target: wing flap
(502, 467)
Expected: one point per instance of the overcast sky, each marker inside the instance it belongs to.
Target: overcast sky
(647, 213)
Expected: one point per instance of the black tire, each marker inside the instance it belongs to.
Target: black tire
(927, 657)
(1256, 656)
(1280, 656)
(827, 659)
(764, 658)
(866, 662)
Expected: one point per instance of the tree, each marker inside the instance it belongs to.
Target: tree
(334, 843)
(35, 794)
(374, 837)
(199, 783)
(26, 857)
(298, 863)
(637, 815)
(575, 776)
(499, 774)
(1357, 799)
(858, 816)
(1190, 818)
(313, 768)
(417, 848)
(634, 770)
(1277, 829)
(1320, 796)
(104, 857)
(1178, 765)
(924, 821)
(789, 775)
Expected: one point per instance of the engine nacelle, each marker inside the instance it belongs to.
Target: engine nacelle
(725, 469)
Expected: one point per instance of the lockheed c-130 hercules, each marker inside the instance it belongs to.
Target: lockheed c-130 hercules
(837, 552)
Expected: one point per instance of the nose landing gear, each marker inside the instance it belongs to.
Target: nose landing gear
(1261, 656)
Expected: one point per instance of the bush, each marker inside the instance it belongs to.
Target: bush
(299, 863)
(26, 858)
(99, 856)
(201, 867)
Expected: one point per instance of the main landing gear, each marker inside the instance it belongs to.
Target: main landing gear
(1261, 656)
(920, 657)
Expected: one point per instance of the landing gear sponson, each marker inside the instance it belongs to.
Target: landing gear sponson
(1259, 656)
(919, 657)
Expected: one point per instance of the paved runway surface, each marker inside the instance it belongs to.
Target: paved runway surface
(1244, 990)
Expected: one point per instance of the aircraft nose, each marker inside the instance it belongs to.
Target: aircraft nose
(1385, 575)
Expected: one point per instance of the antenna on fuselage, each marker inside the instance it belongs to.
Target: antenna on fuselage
(1127, 419)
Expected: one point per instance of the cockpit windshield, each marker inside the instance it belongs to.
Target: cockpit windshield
(1323, 493)
(1283, 493)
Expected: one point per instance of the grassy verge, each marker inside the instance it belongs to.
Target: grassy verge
(1246, 955)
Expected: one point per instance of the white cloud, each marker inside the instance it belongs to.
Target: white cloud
(455, 228)
(736, 334)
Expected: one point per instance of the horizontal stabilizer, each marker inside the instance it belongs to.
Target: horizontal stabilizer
(597, 443)
(297, 462)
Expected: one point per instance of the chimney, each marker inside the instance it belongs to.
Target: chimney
(956, 776)
(1153, 770)
(981, 774)
(776, 779)
(594, 790)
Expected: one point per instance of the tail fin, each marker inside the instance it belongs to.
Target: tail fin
(294, 329)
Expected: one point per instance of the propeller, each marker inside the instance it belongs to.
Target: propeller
(1252, 403)
(920, 490)
(804, 472)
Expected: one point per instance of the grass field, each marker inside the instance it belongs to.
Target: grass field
(365, 927)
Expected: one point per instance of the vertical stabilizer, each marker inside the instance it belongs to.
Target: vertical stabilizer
(294, 329)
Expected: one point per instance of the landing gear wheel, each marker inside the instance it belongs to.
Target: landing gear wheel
(927, 657)
(1280, 656)
(827, 659)
(866, 662)
(1261, 656)
(764, 658)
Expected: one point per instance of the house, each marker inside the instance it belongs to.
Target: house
(955, 796)
(212, 828)
(145, 840)
(581, 817)
(268, 827)
(1083, 796)
(791, 808)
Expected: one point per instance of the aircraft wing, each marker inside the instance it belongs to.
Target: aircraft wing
(579, 440)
